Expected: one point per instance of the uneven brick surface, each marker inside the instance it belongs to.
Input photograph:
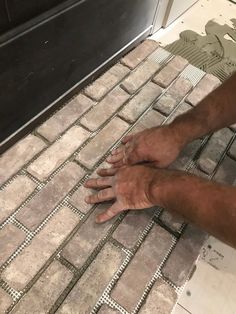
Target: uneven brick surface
(102, 142)
(171, 220)
(46, 200)
(90, 287)
(207, 84)
(166, 104)
(87, 238)
(145, 263)
(106, 82)
(45, 291)
(105, 109)
(140, 53)
(6, 301)
(77, 199)
(107, 310)
(17, 156)
(170, 72)
(10, 238)
(64, 242)
(181, 260)
(161, 299)
(140, 102)
(14, 195)
(140, 76)
(180, 88)
(214, 150)
(26, 265)
(63, 118)
(56, 154)
(226, 173)
(131, 228)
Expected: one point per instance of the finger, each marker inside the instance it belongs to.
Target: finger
(111, 212)
(127, 138)
(98, 183)
(107, 172)
(101, 196)
(117, 150)
(114, 158)
(118, 164)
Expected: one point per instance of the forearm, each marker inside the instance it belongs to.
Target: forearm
(216, 111)
(209, 205)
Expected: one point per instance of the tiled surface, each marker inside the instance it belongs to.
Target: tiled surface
(53, 256)
(211, 290)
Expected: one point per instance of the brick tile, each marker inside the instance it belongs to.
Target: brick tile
(185, 253)
(186, 155)
(140, 102)
(102, 142)
(171, 220)
(140, 76)
(6, 301)
(10, 238)
(65, 117)
(166, 104)
(132, 226)
(107, 310)
(170, 72)
(27, 264)
(161, 299)
(140, 53)
(87, 238)
(150, 120)
(41, 297)
(90, 287)
(56, 154)
(226, 173)
(180, 89)
(17, 156)
(183, 108)
(106, 82)
(214, 150)
(50, 196)
(207, 84)
(77, 199)
(14, 195)
(145, 263)
(232, 150)
(105, 109)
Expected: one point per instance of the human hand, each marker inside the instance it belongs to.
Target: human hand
(160, 145)
(129, 186)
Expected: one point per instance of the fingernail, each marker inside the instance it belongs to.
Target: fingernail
(87, 199)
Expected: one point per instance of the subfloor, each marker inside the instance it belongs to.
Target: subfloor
(54, 258)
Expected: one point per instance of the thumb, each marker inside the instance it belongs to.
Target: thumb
(111, 212)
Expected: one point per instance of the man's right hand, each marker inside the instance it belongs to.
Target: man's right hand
(159, 145)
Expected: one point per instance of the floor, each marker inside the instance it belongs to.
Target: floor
(221, 11)
(140, 261)
(215, 268)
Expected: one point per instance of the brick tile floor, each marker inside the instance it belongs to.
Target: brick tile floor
(53, 257)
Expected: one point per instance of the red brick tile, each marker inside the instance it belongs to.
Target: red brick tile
(87, 238)
(27, 264)
(14, 195)
(130, 287)
(102, 142)
(140, 53)
(10, 238)
(41, 297)
(90, 287)
(65, 117)
(17, 156)
(56, 154)
(140, 76)
(33, 214)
